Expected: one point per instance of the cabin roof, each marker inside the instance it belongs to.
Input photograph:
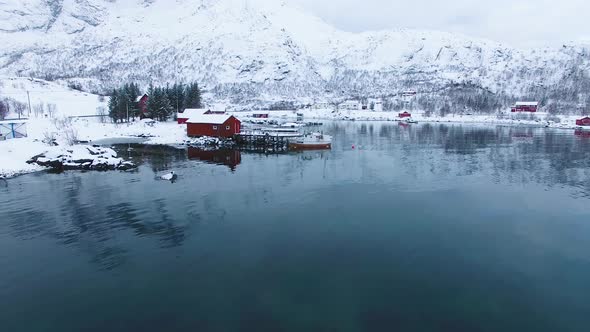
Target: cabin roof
(209, 118)
(191, 112)
(527, 103)
(140, 97)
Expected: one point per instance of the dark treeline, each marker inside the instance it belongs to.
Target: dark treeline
(162, 102)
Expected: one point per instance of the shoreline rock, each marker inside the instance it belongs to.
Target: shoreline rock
(82, 157)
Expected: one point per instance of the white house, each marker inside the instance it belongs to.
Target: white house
(350, 105)
(376, 103)
(322, 105)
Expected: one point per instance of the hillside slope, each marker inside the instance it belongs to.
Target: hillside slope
(267, 50)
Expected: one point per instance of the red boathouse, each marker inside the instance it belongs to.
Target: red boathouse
(404, 115)
(525, 106)
(584, 122)
(213, 125)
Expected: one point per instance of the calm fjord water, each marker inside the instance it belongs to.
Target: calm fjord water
(421, 228)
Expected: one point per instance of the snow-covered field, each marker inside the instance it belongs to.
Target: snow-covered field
(68, 102)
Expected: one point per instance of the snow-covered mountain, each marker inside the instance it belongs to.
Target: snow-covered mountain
(266, 49)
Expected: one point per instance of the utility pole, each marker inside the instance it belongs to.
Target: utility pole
(29, 97)
(127, 104)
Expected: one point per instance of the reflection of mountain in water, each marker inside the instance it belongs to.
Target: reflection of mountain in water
(519, 155)
(230, 158)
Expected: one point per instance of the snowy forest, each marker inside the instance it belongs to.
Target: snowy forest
(163, 102)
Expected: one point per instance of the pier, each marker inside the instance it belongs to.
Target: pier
(265, 141)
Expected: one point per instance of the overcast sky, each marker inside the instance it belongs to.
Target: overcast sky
(525, 23)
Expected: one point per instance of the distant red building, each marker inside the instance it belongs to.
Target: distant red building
(142, 103)
(404, 115)
(583, 122)
(260, 115)
(213, 125)
(525, 106)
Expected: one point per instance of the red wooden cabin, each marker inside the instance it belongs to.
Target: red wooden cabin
(583, 122)
(142, 103)
(525, 106)
(260, 115)
(213, 125)
(404, 115)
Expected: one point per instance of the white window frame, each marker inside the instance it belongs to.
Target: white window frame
(227, 127)
(215, 127)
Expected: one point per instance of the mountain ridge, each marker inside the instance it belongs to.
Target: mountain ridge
(264, 50)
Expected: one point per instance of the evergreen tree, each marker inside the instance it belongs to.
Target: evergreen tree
(192, 96)
(176, 95)
(113, 105)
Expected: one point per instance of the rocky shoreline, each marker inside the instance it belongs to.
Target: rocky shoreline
(82, 157)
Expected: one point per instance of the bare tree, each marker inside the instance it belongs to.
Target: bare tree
(39, 109)
(19, 108)
(51, 110)
(65, 127)
(102, 113)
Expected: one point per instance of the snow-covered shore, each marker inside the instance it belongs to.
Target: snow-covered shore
(509, 119)
(14, 154)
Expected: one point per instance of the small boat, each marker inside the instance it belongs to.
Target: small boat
(409, 120)
(313, 141)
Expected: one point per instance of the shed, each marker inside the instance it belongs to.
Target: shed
(525, 106)
(10, 129)
(404, 115)
(585, 122)
(213, 125)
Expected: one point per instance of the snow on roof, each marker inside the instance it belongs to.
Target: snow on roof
(139, 97)
(192, 112)
(527, 103)
(209, 118)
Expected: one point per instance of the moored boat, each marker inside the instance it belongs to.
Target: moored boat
(313, 141)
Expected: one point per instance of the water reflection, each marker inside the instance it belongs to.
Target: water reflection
(227, 157)
(99, 212)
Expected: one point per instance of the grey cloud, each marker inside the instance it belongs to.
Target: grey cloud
(526, 23)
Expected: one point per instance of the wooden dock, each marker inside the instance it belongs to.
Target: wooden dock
(264, 141)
